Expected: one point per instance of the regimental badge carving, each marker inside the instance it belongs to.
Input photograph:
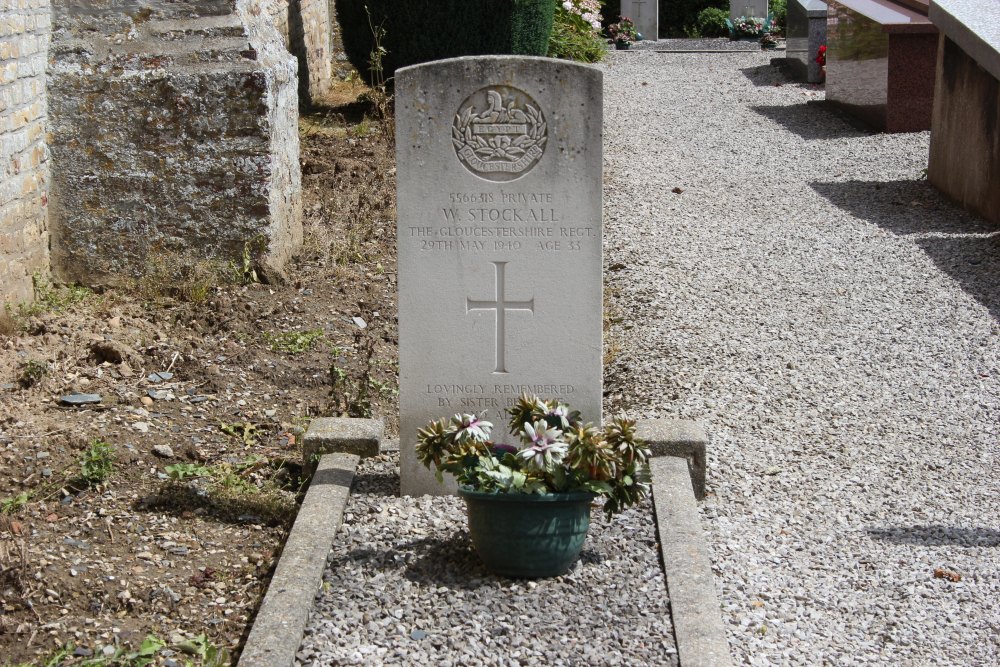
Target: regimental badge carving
(499, 133)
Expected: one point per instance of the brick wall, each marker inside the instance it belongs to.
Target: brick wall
(24, 168)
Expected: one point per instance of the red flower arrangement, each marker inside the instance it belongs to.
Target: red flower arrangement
(821, 58)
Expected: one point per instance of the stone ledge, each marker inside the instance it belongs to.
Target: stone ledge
(694, 605)
(682, 438)
(815, 9)
(328, 435)
(277, 631)
(975, 26)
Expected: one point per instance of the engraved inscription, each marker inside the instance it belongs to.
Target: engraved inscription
(500, 305)
(499, 133)
(495, 396)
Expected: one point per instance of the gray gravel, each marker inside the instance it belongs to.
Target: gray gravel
(703, 44)
(404, 586)
(833, 321)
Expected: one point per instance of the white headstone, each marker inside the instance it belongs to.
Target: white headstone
(645, 14)
(751, 8)
(499, 176)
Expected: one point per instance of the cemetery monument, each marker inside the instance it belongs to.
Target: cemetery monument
(645, 14)
(499, 177)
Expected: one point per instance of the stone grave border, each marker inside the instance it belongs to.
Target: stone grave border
(334, 445)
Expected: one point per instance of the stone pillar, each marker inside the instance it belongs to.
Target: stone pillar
(24, 167)
(174, 133)
(965, 133)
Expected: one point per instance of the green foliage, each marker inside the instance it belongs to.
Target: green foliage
(779, 14)
(12, 505)
(32, 372)
(245, 431)
(417, 31)
(179, 471)
(97, 464)
(201, 649)
(573, 38)
(352, 392)
(243, 271)
(51, 298)
(679, 18)
(293, 342)
(712, 22)
(559, 453)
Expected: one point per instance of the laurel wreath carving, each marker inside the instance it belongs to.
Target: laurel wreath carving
(499, 147)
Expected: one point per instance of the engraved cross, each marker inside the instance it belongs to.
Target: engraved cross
(638, 7)
(501, 306)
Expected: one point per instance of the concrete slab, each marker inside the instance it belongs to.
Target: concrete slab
(277, 631)
(678, 437)
(698, 627)
(342, 434)
(975, 26)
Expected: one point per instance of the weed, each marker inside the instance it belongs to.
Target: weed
(48, 297)
(32, 372)
(179, 471)
(201, 648)
(98, 463)
(14, 566)
(230, 491)
(243, 271)
(352, 396)
(9, 323)
(12, 505)
(379, 96)
(611, 315)
(177, 276)
(362, 129)
(293, 342)
(245, 431)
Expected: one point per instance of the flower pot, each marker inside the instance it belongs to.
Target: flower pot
(622, 45)
(528, 535)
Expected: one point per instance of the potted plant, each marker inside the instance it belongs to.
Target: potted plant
(529, 504)
(623, 33)
(769, 41)
(746, 27)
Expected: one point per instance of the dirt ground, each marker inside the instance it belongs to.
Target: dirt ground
(147, 525)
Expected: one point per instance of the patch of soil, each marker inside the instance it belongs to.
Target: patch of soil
(181, 537)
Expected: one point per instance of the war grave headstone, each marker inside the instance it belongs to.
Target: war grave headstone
(749, 8)
(499, 233)
(645, 14)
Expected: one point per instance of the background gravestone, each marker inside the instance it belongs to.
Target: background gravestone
(645, 15)
(499, 235)
(751, 8)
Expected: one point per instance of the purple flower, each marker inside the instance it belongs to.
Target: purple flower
(471, 428)
(499, 449)
(544, 447)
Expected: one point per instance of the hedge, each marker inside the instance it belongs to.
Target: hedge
(418, 31)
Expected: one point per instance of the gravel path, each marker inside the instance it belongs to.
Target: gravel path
(833, 322)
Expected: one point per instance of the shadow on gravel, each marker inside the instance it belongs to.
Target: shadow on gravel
(766, 75)
(812, 120)
(963, 245)
(382, 485)
(938, 536)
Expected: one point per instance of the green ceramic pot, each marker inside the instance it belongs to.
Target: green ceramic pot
(528, 535)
